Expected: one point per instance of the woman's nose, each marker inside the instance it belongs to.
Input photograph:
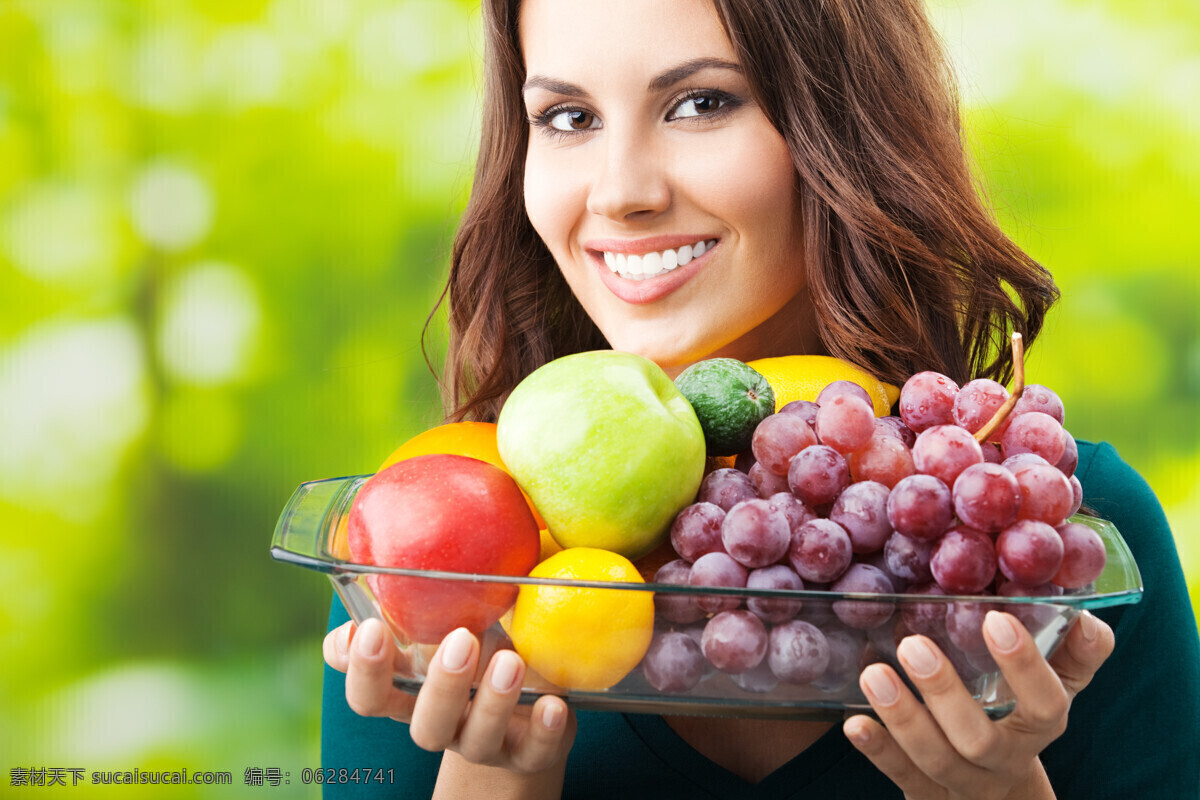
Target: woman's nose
(631, 184)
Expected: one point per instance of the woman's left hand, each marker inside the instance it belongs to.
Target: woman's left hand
(949, 748)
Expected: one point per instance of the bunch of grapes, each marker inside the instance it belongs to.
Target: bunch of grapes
(967, 492)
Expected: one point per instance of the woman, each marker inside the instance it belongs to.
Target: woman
(686, 179)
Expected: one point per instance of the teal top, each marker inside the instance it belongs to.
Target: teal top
(1132, 733)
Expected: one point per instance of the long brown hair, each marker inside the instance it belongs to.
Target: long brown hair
(908, 270)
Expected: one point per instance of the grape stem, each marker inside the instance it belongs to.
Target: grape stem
(1018, 350)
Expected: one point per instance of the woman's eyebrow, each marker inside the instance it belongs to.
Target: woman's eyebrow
(661, 81)
(675, 74)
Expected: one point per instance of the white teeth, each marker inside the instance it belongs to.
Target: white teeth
(639, 267)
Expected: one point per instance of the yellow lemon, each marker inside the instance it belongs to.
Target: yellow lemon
(803, 378)
(582, 637)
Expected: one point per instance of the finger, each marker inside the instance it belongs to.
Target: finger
(336, 647)
(1088, 644)
(963, 723)
(929, 760)
(483, 735)
(1042, 701)
(443, 698)
(873, 741)
(547, 737)
(369, 689)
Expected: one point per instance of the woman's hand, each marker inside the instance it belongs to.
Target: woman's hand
(491, 729)
(948, 748)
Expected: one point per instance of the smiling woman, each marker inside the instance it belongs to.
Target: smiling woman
(625, 178)
(771, 177)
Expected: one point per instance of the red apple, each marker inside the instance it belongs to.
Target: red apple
(447, 513)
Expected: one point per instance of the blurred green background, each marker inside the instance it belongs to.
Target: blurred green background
(222, 225)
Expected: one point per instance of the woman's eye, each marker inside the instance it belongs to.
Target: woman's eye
(698, 106)
(574, 120)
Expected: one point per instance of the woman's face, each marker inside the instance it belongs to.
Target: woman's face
(666, 197)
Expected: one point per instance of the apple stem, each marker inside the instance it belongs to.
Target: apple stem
(1018, 350)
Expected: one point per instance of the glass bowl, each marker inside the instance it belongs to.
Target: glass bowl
(311, 533)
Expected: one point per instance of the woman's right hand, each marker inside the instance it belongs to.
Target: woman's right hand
(491, 729)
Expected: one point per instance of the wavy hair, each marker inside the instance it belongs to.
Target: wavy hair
(907, 267)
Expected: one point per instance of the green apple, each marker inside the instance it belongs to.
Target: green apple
(607, 448)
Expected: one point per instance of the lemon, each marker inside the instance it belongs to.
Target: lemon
(803, 378)
(581, 637)
(730, 398)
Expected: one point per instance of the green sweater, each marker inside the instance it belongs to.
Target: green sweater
(1134, 732)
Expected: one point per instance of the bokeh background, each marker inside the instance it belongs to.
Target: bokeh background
(223, 224)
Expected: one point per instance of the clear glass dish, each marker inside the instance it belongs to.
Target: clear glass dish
(311, 533)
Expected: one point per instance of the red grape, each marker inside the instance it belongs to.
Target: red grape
(861, 509)
(963, 561)
(987, 497)
(805, 409)
(1036, 397)
(820, 551)
(840, 388)
(845, 422)
(1046, 493)
(756, 533)
(926, 400)
(1070, 458)
(944, 451)
(718, 569)
(775, 609)
(778, 438)
(767, 483)
(726, 487)
(908, 558)
(885, 459)
(797, 652)
(863, 614)
(1029, 552)
(671, 606)
(925, 618)
(734, 641)
(1035, 432)
(977, 402)
(697, 530)
(674, 663)
(894, 426)
(818, 474)
(920, 506)
(792, 508)
(1083, 556)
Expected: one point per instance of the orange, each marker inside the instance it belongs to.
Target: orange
(581, 637)
(803, 378)
(472, 439)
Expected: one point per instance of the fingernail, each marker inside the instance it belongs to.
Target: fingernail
(456, 650)
(1000, 629)
(881, 685)
(504, 671)
(857, 733)
(369, 639)
(341, 642)
(1088, 626)
(919, 659)
(552, 716)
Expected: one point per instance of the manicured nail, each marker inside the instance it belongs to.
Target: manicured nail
(341, 641)
(857, 733)
(456, 650)
(369, 639)
(1088, 626)
(1000, 629)
(552, 716)
(920, 660)
(881, 685)
(504, 671)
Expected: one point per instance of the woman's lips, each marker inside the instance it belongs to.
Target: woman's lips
(635, 286)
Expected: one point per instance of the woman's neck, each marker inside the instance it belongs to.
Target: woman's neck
(750, 748)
